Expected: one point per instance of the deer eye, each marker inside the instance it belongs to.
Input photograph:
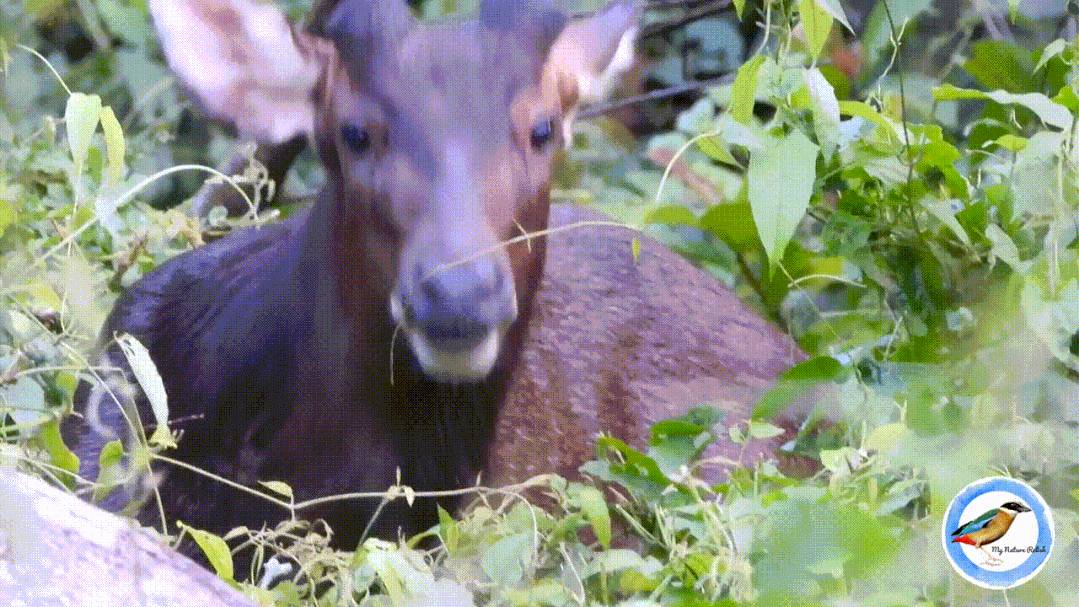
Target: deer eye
(357, 138)
(541, 133)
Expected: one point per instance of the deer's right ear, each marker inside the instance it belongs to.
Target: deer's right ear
(244, 62)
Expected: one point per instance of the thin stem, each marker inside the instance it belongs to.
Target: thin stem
(47, 64)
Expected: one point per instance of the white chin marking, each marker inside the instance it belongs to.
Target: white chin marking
(456, 367)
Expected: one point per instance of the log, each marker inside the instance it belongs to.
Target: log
(58, 551)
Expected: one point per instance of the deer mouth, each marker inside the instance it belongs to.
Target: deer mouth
(462, 351)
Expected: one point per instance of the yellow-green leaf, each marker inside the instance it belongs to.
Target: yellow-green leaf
(110, 471)
(817, 25)
(744, 90)
(115, 146)
(278, 487)
(215, 549)
(1050, 112)
(594, 507)
(740, 6)
(781, 178)
(53, 443)
(80, 118)
(448, 531)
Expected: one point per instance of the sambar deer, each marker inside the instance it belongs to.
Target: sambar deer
(275, 345)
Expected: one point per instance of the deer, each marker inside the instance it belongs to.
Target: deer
(276, 345)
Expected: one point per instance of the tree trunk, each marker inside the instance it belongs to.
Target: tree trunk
(58, 551)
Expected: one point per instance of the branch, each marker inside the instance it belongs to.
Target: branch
(712, 8)
(657, 95)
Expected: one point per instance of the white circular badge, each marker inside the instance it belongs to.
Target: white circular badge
(998, 533)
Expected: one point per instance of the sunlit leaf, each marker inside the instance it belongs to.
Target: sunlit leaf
(24, 401)
(1004, 248)
(114, 144)
(817, 25)
(1050, 112)
(943, 211)
(781, 178)
(744, 90)
(835, 9)
(448, 530)
(110, 469)
(1054, 49)
(145, 371)
(53, 443)
(280, 488)
(80, 120)
(594, 507)
(504, 561)
(825, 106)
(216, 550)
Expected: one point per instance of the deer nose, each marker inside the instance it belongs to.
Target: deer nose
(456, 307)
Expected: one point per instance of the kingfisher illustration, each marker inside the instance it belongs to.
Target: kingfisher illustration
(988, 528)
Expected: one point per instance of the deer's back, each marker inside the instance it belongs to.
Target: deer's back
(616, 345)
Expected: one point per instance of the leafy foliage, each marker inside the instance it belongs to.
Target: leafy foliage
(913, 228)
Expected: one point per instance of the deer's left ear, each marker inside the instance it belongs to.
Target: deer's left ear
(590, 55)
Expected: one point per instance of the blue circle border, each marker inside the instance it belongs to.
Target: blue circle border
(998, 579)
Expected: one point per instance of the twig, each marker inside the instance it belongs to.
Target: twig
(657, 95)
(658, 29)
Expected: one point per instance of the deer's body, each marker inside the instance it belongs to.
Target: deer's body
(275, 344)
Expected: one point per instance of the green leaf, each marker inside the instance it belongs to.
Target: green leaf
(744, 90)
(817, 25)
(1004, 248)
(825, 108)
(795, 382)
(281, 488)
(942, 210)
(1013, 10)
(867, 112)
(24, 401)
(672, 215)
(53, 442)
(716, 148)
(885, 438)
(80, 118)
(1012, 143)
(740, 7)
(215, 549)
(835, 10)
(1053, 49)
(504, 561)
(110, 470)
(781, 178)
(733, 224)
(138, 358)
(1054, 317)
(763, 430)
(594, 507)
(448, 531)
(8, 215)
(1034, 181)
(114, 144)
(1050, 112)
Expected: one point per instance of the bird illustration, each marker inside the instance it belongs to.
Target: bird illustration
(988, 528)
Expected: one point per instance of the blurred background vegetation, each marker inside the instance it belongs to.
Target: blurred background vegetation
(928, 266)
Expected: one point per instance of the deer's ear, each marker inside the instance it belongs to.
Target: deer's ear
(244, 62)
(590, 55)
